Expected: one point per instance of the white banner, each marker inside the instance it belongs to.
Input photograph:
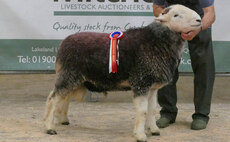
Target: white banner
(55, 19)
(221, 30)
(49, 19)
(31, 30)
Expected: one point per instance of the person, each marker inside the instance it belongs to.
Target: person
(202, 60)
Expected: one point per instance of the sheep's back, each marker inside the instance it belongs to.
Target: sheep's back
(87, 54)
(84, 50)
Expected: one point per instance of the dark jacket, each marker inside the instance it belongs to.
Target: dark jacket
(192, 4)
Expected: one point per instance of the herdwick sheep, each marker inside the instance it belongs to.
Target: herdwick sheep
(148, 58)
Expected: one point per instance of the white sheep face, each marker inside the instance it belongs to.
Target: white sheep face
(180, 19)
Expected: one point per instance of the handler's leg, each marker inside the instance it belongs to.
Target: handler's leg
(203, 65)
(167, 98)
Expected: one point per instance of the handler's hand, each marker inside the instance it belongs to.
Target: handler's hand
(190, 35)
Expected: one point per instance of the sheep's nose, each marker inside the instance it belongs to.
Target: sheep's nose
(198, 20)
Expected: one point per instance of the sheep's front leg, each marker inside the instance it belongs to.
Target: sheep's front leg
(141, 106)
(151, 120)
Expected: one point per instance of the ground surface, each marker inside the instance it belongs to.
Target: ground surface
(22, 102)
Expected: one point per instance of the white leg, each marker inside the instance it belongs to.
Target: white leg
(141, 106)
(49, 104)
(62, 117)
(53, 111)
(151, 120)
(79, 94)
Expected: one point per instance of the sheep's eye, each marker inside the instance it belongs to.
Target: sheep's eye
(176, 15)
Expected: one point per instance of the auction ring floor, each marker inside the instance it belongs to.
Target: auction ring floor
(111, 119)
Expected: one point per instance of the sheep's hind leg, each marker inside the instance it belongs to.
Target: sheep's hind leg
(79, 95)
(49, 107)
(54, 106)
(63, 118)
(151, 120)
(141, 106)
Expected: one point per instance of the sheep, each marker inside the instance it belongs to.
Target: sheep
(148, 57)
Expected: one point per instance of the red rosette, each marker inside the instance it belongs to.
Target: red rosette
(114, 54)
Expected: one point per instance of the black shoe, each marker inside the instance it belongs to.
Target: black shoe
(164, 122)
(198, 124)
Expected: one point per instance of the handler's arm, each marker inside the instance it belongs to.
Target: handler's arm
(208, 19)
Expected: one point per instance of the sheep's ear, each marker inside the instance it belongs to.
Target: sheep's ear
(161, 18)
(166, 10)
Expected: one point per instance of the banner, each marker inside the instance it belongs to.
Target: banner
(31, 30)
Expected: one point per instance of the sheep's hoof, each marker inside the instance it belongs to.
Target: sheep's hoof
(156, 134)
(51, 132)
(65, 123)
(140, 137)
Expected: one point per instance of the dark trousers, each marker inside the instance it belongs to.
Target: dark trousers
(202, 59)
